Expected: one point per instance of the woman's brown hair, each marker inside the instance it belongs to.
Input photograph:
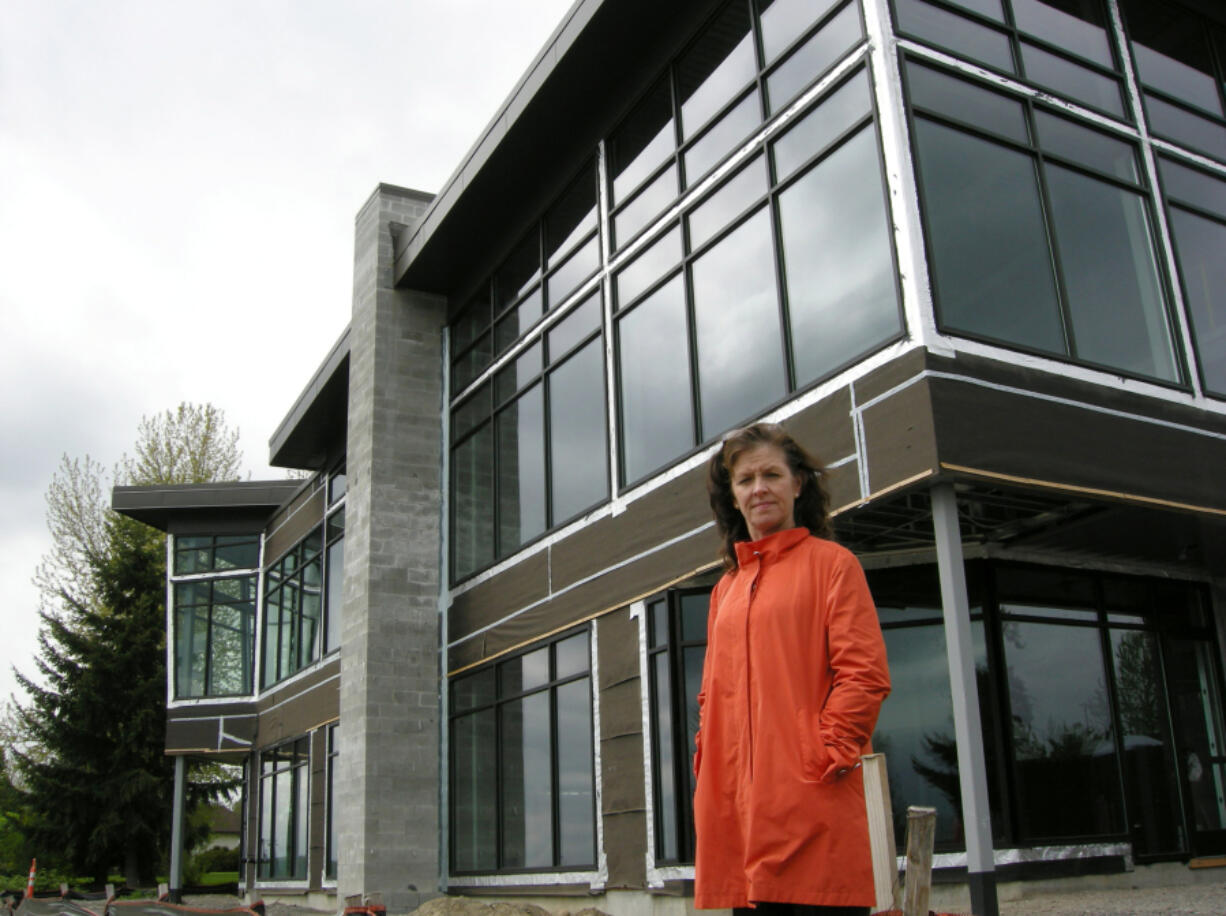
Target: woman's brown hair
(812, 508)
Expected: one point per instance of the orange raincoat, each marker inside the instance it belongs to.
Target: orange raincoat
(795, 674)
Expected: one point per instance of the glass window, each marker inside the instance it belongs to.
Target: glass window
(1091, 148)
(332, 854)
(472, 493)
(746, 187)
(521, 470)
(1111, 275)
(1199, 243)
(519, 272)
(676, 648)
(716, 67)
(783, 21)
(519, 374)
(966, 103)
(810, 136)
(581, 323)
(654, 377)
(578, 450)
(1078, 26)
(214, 637)
(336, 485)
(990, 264)
(293, 600)
(648, 267)
(836, 252)
(722, 138)
(647, 205)
(949, 30)
(334, 579)
(1172, 51)
(581, 265)
(284, 811)
(812, 59)
(215, 553)
(736, 319)
(642, 143)
(523, 790)
(572, 217)
(1067, 78)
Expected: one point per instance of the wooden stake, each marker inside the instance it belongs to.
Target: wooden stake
(881, 831)
(921, 827)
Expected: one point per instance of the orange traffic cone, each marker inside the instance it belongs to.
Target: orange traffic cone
(30, 883)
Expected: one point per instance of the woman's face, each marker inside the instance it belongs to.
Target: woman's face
(764, 490)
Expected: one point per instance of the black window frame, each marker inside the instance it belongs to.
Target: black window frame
(299, 767)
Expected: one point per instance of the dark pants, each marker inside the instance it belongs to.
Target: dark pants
(799, 909)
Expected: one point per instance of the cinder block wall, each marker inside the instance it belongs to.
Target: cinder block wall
(388, 766)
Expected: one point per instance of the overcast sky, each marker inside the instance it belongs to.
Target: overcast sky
(178, 183)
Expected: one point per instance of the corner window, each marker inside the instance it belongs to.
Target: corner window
(522, 778)
(215, 553)
(214, 636)
(676, 646)
(293, 609)
(284, 811)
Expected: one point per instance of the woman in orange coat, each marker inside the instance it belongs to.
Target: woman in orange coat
(795, 674)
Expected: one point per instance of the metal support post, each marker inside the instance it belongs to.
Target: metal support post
(972, 769)
(176, 834)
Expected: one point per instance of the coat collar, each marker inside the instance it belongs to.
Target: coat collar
(770, 546)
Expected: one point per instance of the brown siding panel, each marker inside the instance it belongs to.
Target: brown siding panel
(519, 586)
(899, 437)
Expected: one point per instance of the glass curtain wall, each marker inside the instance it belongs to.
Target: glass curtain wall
(522, 771)
(284, 811)
(771, 278)
(214, 614)
(1100, 698)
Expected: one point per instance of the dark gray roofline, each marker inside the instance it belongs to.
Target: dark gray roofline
(289, 445)
(249, 502)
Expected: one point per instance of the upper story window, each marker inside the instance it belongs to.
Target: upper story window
(213, 614)
(715, 95)
(522, 774)
(1062, 46)
(1181, 63)
(215, 553)
(293, 609)
(1039, 228)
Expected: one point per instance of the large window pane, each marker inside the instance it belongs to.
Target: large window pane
(474, 821)
(819, 128)
(722, 138)
(948, 30)
(814, 57)
(966, 102)
(747, 187)
(783, 21)
(642, 143)
(649, 203)
(527, 783)
(1185, 127)
(1066, 768)
(654, 374)
(472, 475)
(1111, 275)
(572, 217)
(576, 805)
(716, 67)
(1075, 81)
(837, 262)
(521, 471)
(648, 267)
(579, 464)
(1075, 25)
(736, 312)
(1199, 244)
(989, 255)
(665, 783)
(1171, 48)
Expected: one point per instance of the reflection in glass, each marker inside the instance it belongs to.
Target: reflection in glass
(966, 102)
(578, 460)
(721, 139)
(646, 206)
(1111, 275)
(837, 112)
(648, 267)
(948, 30)
(1077, 26)
(1171, 48)
(1193, 187)
(581, 265)
(732, 199)
(472, 363)
(511, 326)
(576, 804)
(1199, 243)
(474, 319)
(527, 783)
(783, 21)
(1185, 127)
(1149, 752)
(474, 819)
(642, 143)
(1091, 148)
(1067, 78)
(572, 217)
(525, 368)
(571, 656)
(472, 413)
(521, 471)
(654, 376)
(1196, 701)
(1066, 769)
(837, 261)
(989, 257)
(665, 783)
(583, 320)
(472, 475)
(521, 269)
(814, 57)
(715, 68)
(736, 313)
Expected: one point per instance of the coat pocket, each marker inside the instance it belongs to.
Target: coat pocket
(814, 758)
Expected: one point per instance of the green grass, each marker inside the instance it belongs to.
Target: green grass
(214, 878)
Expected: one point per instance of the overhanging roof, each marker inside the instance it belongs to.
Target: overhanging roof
(236, 506)
(595, 64)
(316, 423)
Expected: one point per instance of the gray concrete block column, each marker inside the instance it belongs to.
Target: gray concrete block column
(388, 767)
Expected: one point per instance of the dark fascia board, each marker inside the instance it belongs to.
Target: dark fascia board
(314, 428)
(236, 506)
(599, 59)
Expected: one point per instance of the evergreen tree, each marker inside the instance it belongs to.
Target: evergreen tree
(98, 781)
